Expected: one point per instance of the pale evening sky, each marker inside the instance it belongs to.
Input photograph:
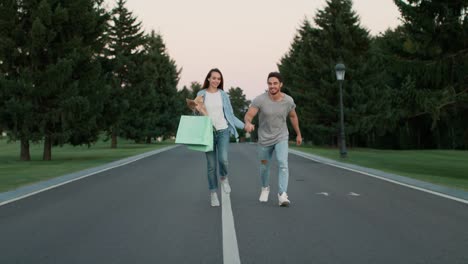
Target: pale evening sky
(245, 39)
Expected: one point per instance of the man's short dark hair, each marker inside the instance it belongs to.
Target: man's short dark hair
(277, 75)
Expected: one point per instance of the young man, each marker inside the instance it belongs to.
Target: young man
(273, 107)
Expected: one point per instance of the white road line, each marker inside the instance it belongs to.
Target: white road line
(230, 248)
(304, 155)
(85, 176)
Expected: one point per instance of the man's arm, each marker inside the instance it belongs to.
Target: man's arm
(295, 123)
(251, 113)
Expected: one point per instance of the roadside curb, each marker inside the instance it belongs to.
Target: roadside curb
(35, 188)
(447, 192)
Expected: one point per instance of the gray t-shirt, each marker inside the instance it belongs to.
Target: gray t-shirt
(272, 117)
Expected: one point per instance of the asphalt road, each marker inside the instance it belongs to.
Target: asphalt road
(157, 210)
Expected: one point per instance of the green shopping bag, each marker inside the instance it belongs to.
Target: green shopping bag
(196, 132)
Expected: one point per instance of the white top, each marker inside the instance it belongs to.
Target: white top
(214, 106)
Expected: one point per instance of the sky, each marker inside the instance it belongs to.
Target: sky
(245, 39)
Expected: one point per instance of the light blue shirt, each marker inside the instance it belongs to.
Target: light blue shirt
(232, 120)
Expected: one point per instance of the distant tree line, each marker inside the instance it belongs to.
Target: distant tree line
(404, 89)
(71, 71)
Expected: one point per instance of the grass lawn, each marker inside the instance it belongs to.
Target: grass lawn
(67, 159)
(443, 167)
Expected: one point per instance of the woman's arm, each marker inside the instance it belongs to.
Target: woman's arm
(237, 122)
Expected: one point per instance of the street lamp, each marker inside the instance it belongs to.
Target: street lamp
(340, 73)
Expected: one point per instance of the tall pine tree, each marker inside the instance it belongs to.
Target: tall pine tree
(308, 69)
(17, 109)
(154, 91)
(58, 74)
(125, 44)
(432, 59)
(66, 36)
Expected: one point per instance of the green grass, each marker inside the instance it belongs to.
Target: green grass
(443, 167)
(67, 159)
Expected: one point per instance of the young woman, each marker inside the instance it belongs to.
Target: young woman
(218, 107)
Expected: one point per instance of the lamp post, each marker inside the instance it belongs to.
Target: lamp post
(340, 73)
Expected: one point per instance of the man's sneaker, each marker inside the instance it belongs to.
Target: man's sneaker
(283, 199)
(214, 199)
(264, 194)
(225, 185)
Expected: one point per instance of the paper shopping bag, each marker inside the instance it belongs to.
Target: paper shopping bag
(196, 132)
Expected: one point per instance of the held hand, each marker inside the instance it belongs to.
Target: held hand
(249, 127)
(298, 140)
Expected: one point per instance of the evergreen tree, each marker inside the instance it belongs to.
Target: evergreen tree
(166, 78)
(301, 81)
(432, 58)
(181, 106)
(17, 110)
(66, 36)
(380, 117)
(153, 93)
(239, 102)
(59, 73)
(308, 70)
(195, 87)
(125, 44)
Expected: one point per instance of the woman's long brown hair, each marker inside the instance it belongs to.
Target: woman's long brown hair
(206, 83)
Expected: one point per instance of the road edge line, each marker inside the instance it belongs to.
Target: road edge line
(343, 166)
(36, 188)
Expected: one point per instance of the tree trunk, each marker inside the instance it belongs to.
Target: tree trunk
(148, 140)
(25, 154)
(454, 144)
(47, 154)
(419, 138)
(439, 140)
(114, 140)
(465, 141)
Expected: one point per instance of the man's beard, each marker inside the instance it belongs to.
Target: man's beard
(277, 91)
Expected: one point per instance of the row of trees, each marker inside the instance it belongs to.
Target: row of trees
(406, 88)
(70, 70)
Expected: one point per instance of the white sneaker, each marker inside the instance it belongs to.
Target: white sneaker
(264, 194)
(214, 199)
(225, 185)
(283, 199)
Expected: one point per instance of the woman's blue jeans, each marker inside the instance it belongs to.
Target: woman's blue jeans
(265, 154)
(218, 158)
